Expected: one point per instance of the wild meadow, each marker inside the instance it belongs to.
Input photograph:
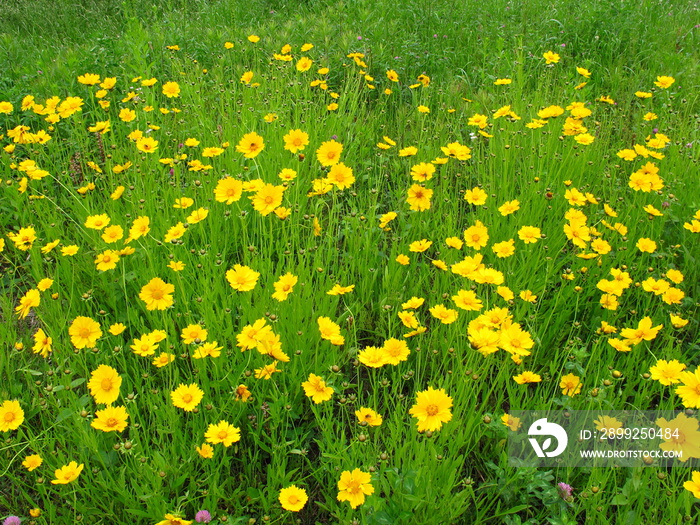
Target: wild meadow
(276, 264)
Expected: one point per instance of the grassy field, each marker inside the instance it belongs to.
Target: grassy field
(296, 263)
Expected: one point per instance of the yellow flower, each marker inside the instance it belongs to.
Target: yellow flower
(171, 89)
(570, 385)
(242, 278)
(176, 266)
(329, 152)
(67, 473)
(457, 151)
(32, 462)
(529, 234)
(89, 79)
(163, 359)
(369, 416)
(293, 498)
(304, 64)
(228, 190)
(446, 315)
(193, 333)
(527, 377)
(11, 415)
(97, 222)
(84, 332)
(478, 120)
(157, 294)
(250, 145)
(206, 451)
(147, 144)
(266, 371)
(511, 422)
(667, 372)
(664, 82)
(475, 196)
(187, 397)
(212, 152)
(284, 286)
(110, 419)
(373, 357)
(689, 391)
(30, 300)
(209, 349)
(42, 343)
(551, 57)
(296, 140)
(104, 384)
(222, 432)
(419, 198)
(509, 207)
(584, 139)
(354, 486)
(117, 328)
(341, 176)
(680, 435)
(330, 331)
(315, 388)
(432, 409)
(693, 485)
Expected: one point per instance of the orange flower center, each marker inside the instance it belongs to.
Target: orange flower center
(432, 410)
(292, 499)
(84, 333)
(112, 422)
(157, 294)
(9, 416)
(187, 398)
(222, 434)
(353, 487)
(106, 384)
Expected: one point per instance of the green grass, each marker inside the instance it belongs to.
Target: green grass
(458, 474)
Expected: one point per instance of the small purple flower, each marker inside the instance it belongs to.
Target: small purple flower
(12, 520)
(665, 204)
(334, 137)
(202, 516)
(435, 36)
(655, 130)
(565, 490)
(359, 38)
(172, 172)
